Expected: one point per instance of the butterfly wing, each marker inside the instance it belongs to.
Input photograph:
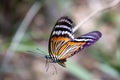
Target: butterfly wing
(62, 44)
(78, 44)
(62, 33)
(90, 38)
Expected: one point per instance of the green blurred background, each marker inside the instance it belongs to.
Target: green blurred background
(25, 27)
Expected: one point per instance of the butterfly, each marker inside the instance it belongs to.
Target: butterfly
(63, 44)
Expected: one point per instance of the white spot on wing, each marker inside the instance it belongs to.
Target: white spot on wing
(83, 39)
(65, 20)
(62, 33)
(63, 26)
(88, 36)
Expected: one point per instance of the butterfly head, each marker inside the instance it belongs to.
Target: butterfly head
(51, 59)
(55, 60)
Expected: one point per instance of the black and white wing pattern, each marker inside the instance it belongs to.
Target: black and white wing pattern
(62, 43)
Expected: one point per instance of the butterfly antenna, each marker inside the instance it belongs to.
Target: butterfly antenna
(32, 52)
(37, 54)
(41, 51)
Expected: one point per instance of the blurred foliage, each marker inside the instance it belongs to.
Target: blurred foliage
(106, 62)
(108, 17)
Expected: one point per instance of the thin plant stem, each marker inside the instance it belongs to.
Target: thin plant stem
(20, 33)
(113, 4)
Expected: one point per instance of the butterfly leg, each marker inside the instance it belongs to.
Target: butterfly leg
(47, 65)
(55, 69)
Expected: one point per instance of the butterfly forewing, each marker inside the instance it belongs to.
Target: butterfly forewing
(68, 49)
(62, 33)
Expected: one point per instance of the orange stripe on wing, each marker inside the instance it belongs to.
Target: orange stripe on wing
(69, 48)
(56, 43)
(61, 38)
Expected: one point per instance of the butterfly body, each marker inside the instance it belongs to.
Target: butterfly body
(62, 43)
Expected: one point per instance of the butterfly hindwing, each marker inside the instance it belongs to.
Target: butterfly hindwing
(68, 49)
(90, 38)
(78, 44)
